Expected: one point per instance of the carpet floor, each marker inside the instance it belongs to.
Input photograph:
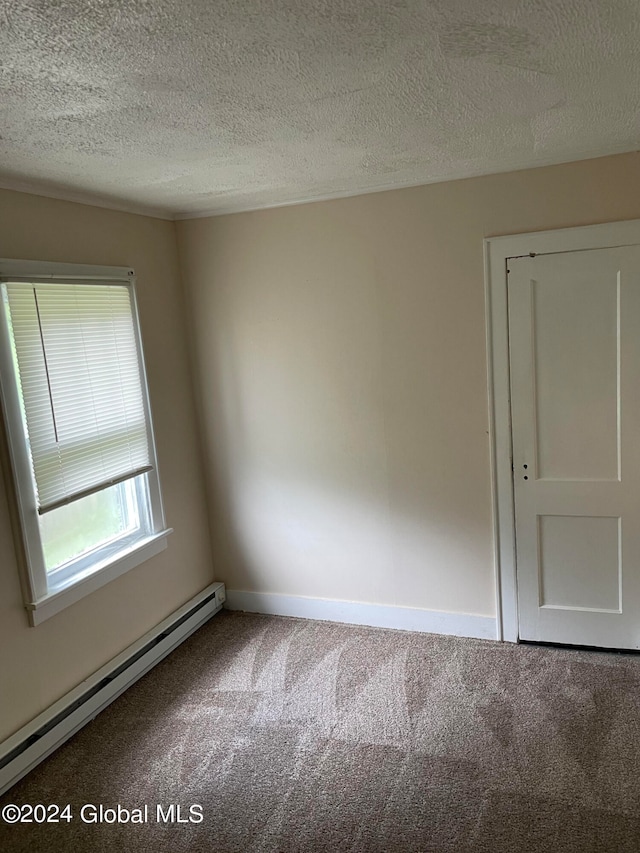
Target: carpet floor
(294, 736)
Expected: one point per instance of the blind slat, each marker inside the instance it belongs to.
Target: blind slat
(81, 387)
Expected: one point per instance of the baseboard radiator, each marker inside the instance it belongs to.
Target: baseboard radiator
(34, 742)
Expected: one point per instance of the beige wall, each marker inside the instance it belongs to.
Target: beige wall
(340, 351)
(340, 374)
(38, 665)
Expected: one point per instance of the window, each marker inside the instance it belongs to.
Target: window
(77, 414)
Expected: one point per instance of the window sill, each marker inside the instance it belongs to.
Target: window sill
(75, 589)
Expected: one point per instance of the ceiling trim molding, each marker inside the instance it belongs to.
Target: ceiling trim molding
(227, 211)
(80, 197)
(122, 206)
(541, 164)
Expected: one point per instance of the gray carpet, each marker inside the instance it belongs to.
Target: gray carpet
(307, 736)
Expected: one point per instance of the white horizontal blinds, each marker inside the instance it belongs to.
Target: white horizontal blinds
(81, 384)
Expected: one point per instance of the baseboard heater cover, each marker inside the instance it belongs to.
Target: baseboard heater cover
(34, 742)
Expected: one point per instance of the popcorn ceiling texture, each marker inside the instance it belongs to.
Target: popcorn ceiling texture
(189, 106)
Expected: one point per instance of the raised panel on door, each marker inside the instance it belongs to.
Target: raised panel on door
(575, 351)
(574, 322)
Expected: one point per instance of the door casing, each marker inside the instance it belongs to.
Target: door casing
(497, 252)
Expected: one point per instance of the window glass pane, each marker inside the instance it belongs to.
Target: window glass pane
(85, 524)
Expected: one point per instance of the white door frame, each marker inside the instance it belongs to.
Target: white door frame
(497, 251)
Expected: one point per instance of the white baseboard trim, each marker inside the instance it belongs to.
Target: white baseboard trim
(34, 742)
(357, 613)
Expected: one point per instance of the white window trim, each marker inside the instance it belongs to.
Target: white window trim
(41, 601)
(124, 561)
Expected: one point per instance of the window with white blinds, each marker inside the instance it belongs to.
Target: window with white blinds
(75, 404)
(79, 371)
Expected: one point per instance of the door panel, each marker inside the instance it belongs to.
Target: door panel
(574, 340)
(580, 562)
(574, 332)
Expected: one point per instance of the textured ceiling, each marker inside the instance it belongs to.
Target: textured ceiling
(189, 106)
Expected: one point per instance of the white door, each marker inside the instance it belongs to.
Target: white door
(574, 340)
